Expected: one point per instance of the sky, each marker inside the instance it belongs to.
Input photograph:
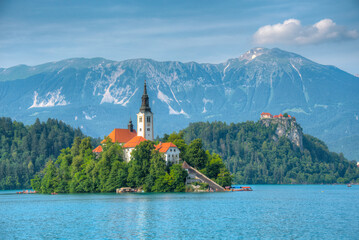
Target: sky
(205, 31)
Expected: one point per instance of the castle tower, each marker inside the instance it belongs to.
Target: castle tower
(145, 118)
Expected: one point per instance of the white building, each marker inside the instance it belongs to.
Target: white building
(145, 118)
(170, 152)
(130, 145)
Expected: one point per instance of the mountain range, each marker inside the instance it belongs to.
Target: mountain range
(98, 95)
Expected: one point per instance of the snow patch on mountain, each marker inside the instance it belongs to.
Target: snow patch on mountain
(174, 112)
(112, 92)
(303, 87)
(252, 54)
(127, 99)
(224, 70)
(174, 96)
(163, 97)
(87, 116)
(51, 99)
(205, 101)
(320, 106)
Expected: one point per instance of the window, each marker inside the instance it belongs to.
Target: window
(140, 129)
(148, 119)
(140, 119)
(171, 150)
(148, 129)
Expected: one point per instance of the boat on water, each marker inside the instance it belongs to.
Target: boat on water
(126, 190)
(26, 192)
(235, 189)
(349, 185)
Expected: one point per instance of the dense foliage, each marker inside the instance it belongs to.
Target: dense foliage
(194, 154)
(251, 154)
(24, 150)
(78, 169)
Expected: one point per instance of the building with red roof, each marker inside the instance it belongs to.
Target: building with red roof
(134, 142)
(169, 151)
(120, 135)
(130, 145)
(266, 115)
(98, 149)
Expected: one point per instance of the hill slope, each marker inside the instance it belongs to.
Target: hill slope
(98, 95)
(24, 150)
(258, 152)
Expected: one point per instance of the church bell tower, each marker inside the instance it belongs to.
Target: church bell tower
(145, 118)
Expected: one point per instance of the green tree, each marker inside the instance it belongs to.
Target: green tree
(157, 169)
(140, 164)
(195, 155)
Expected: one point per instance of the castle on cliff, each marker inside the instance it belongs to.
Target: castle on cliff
(265, 115)
(129, 138)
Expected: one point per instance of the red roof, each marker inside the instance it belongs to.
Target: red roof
(275, 116)
(120, 135)
(163, 147)
(134, 142)
(280, 115)
(263, 113)
(289, 116)
(98, 149)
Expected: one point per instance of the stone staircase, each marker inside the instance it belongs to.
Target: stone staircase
(192, 171)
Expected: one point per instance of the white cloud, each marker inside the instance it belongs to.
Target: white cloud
(291, 31)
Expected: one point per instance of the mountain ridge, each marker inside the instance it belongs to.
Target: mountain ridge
(99, 95)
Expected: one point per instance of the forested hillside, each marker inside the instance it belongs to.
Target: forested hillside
(24, 150)
(255, 155)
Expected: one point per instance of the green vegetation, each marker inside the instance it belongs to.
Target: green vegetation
(194, 154)
(77, 169)
(24, 150)
(251, 154)
(250, 150)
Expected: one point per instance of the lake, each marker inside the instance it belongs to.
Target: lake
(269, 212)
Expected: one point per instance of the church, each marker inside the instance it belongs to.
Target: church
(129, 138)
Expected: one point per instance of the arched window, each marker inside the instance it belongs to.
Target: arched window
(148, 119)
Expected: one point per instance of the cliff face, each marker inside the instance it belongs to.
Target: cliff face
(287, 127)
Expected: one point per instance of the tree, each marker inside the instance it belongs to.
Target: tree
(157, 169)
(195, 155)
(140, 163)
(179, 176)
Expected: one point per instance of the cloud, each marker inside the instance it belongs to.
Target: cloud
(291, 31)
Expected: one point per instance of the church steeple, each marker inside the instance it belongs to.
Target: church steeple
(145, 118)
(145, 106)
(130, 125)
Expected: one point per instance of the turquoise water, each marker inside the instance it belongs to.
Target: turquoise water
(269, 212)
